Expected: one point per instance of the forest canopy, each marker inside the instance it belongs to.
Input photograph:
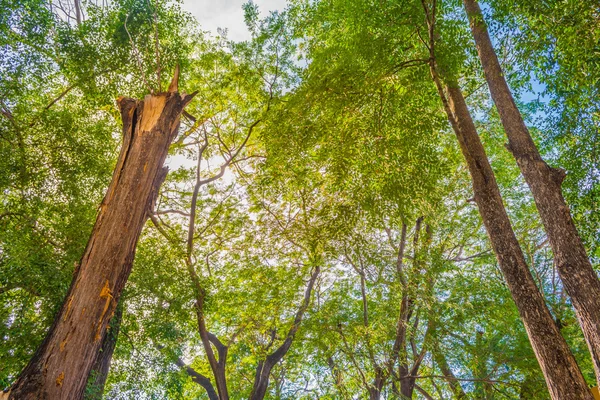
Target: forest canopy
(366, 199)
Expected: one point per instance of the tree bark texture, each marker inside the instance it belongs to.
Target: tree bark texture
(60, 367)
(573, 265)
(562, 374)
(99, 372)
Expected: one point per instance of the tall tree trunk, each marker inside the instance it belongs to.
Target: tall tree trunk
(562, 374)
(60, 367)
(99, 372)
(571, 260)
(407, 305)
(563, 377)
(377, 386)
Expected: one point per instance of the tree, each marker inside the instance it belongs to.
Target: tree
(61, 366)
(318, 235)
(550, 347)
(488, 198)
(575, 269)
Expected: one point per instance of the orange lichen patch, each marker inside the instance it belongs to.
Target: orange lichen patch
(105, 293)
(82, 311)
(63, 343)
(60, 379)
(68, 310)
(145, 166)
(153, 108)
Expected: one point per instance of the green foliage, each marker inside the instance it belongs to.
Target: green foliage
(310, 145)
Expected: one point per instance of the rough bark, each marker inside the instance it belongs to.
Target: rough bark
(571, 260)
(561, 372)
(60, 367)
(99, 372)
(263, 370)
(563, 377)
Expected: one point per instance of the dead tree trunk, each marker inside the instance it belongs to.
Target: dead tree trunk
(60, 367)
(571, 260)
(99, 372)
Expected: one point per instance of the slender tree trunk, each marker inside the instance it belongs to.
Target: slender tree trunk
(61, 366)
(99, 372)
(571, 260)
(562, 374)
(563, 377)
(407, 387)
(377, 386)
(442, 363)
(78, 11)
(407, 383)
(263, 370)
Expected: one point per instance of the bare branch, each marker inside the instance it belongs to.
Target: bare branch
(232, 157)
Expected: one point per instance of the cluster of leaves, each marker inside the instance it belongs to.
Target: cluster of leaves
(320, 143)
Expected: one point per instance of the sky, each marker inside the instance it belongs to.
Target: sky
(227, 14)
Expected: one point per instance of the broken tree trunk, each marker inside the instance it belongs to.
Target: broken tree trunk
(97, 378)
(571, 260)
(60, 367)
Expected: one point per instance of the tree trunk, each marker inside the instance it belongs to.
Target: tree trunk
(407, 304)
(263, 370)
(375, 389)
(454, 383)
(563, 377)
(483, 388)
(571, 260)
(407, 387)
(60, 367)
(99, 373)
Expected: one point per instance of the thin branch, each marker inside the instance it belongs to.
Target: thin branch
(198, 378)
(232, 157)
(423, 392)
(170, 211)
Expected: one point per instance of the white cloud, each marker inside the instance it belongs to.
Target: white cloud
(227, 14)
